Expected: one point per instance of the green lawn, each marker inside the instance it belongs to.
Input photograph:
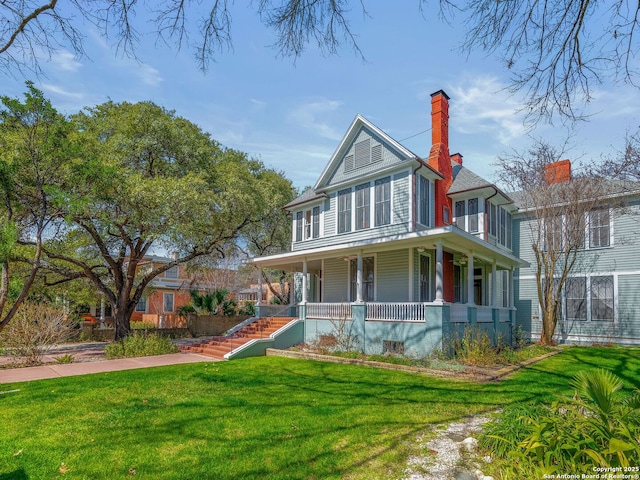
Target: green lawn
(256, 418)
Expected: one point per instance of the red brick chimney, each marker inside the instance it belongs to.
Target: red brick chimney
(557, 172)
(456, 157)
(439, 157)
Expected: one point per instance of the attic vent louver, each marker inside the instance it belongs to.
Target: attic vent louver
(348, 163)
(362, 153)
(376, 153)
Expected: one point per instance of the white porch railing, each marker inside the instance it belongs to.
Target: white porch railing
(398, 312)
(329, 311)
(458, 313)
(484, 314)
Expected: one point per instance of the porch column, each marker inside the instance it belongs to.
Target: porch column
(494, 285)
(359, 279)
(511, 301)
(470, 299)
(304, 282)
(102, 311)
(259, 300)
(439, 274)
(292, 288)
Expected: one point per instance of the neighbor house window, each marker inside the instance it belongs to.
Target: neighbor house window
(141, 306)
(423, 206)
(602, 298)
(576, 298)
(363, 206)
(167, 302)
(171, 273)
(599, 228)
(344, 210)
(382, 194)
(315, 231)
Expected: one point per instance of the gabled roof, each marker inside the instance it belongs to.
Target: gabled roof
(358, 123)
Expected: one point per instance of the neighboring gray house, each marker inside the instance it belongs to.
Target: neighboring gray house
(399, 251)
(601, 298)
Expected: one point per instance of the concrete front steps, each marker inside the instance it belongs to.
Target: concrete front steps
(252, 339)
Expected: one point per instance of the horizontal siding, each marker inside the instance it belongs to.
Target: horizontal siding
(389, 159)
(335, 280)
(392, 276)
(400, 223)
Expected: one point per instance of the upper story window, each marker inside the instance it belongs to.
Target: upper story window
(344, 210)
(383, 201)
(171, 273)
(599, 228)
(424, 212)
(307, 224)
(569, 232)
(466, 215)
(500, 224)
(363, 206)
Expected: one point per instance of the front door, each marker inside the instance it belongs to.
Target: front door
(424, 278)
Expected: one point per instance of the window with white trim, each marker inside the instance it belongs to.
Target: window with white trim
(315, 229)
(575, 289)
(171, 273)
(424, 211)
(602, 298)
(500, 224)
(344, 210)
(382, 201)
(599, 228)
(363, 206)
(141, 306)
(299, 225)
(167, 302)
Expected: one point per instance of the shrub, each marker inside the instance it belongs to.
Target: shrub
(475, 348)
(596, 428)
(140, 345)
(34, 329)
(142, 325)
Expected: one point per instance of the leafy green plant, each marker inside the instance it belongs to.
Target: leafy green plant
(66, 358)
(248, 308)
(598, 427)
(140, 345)
(142, 325)
(476, 348)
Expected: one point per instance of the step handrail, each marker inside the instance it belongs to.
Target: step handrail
(251, 320)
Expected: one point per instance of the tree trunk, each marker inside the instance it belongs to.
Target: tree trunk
(121, 323)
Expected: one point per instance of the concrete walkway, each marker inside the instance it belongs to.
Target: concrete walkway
(97, 364)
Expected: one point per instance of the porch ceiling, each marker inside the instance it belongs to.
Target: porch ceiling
(453, 240)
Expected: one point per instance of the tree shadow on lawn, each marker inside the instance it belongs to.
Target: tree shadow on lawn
(19, 474)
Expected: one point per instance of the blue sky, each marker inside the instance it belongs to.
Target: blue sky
(292, 115)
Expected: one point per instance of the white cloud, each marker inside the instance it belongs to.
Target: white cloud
(309, 116)
(149, 75)
(258, 103)
(482, 105)
(55, 89)
(66, 61)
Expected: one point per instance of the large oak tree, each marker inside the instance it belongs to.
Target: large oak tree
(136, 178)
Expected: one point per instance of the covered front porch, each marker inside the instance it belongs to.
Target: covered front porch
(410, 294)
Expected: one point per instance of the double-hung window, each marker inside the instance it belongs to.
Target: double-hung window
(382, 201)
(473, 215)
(344, 210)
(460, 213)
(576, 298)
(599, 228)
(423, 206)
(363, 206)
(602, 298)
(315, 230)
(299, 222)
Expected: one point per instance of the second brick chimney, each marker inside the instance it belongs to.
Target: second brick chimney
(557, 172)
